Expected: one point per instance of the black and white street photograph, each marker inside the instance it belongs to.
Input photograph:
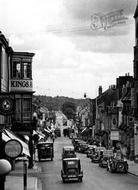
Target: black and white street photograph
(68, 94)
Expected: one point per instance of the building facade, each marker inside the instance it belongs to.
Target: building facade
(16, 92)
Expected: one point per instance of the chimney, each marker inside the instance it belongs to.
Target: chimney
(100, 90)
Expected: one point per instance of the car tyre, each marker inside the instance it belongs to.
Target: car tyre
(39, 159)
(110, 169)
(80, 179)
(63, 180)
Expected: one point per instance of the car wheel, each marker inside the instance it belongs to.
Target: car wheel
(126, 171)
(110, 169)
(63, 180)
(107, 168)
(121, 167)
(80, 179)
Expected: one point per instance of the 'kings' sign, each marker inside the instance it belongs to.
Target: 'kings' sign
(21, 85)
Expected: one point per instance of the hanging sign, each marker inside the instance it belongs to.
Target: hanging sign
(6, 105)
(13, 148)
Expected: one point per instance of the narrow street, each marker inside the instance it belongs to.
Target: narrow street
(94, 177)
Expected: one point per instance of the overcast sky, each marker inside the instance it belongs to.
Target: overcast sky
(70, 58)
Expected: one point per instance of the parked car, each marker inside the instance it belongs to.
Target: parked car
(76, 144)
(90, 150)
(107, 154)
(97, 154)
(82, 148)
(45, 150)
(117, 163)
(71, 169)
(57, 132)
(66, 132)
(68, 152)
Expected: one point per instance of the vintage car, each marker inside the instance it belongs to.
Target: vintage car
(117, 163)
(68, 152)
(76, 144)
(45, 150)
(57, 132)
(71, 169)
(107, 154)
(90, 150)
(74, 139)
(97, 154)
(82, 147)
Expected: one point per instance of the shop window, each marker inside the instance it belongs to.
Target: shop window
(23, 110)
(27, 114)
(18, 110)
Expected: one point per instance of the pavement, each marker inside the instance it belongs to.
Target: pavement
(15, 179)
(132, 168)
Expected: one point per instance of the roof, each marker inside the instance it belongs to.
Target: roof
(68, 147)
(69, 159)
(45, 143)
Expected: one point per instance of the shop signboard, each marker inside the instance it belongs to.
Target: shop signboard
(115, 135)
(6, 105)
(21, 85)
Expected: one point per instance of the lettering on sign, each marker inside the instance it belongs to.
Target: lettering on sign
(108, 20)
(21, 84)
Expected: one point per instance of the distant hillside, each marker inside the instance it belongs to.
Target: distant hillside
(55, 103)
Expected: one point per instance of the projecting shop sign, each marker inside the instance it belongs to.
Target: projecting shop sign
(13, 148)
(115, 135)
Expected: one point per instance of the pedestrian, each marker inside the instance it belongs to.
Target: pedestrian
(53, 137)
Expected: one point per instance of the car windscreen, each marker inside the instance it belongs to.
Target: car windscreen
(71, 164)
(69, 152)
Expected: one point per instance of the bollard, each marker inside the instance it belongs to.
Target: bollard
(25, 175)
(2, 182)
(5, 168)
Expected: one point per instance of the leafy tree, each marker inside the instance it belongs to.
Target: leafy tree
(69, 110)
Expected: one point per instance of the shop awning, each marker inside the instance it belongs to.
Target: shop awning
(40, 134)
(8, 135)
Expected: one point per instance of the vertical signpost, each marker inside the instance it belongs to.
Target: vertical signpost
(25, 175)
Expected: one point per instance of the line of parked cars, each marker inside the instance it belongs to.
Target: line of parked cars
(113, 161)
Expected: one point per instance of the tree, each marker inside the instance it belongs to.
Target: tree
(69, 110)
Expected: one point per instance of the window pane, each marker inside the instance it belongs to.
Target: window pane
(18, 110)
(27, 115)
(26, 70)
(17, 70)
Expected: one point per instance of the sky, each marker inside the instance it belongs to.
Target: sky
(74, 54)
